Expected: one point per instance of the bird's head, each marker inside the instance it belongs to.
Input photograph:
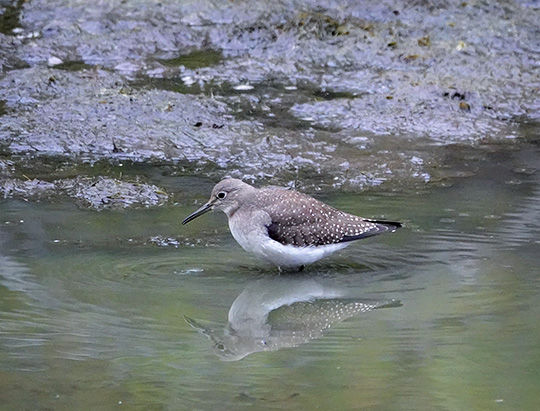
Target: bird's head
(225, 196)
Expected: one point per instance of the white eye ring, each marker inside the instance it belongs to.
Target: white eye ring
(221, 195)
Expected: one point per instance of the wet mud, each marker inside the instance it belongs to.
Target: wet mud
(341, 94)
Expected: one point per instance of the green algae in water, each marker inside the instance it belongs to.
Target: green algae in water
(10, 18)
(74, 65)
(195, 59)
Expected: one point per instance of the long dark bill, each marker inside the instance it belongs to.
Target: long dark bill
(204, 209)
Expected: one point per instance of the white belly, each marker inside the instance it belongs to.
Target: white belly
(256, 241)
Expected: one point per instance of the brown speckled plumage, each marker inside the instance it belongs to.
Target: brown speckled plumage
(300, 220)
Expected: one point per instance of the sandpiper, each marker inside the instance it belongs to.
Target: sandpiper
(285, 227)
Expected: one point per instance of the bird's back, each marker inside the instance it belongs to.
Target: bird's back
(300, 220)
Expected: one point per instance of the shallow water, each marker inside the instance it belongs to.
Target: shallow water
(130, 308)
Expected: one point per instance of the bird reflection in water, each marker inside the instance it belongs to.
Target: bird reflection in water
(281, 312)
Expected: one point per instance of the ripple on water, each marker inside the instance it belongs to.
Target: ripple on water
(157, 266)
(81, 314)
(511, 230)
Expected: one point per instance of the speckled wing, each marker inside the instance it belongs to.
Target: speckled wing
(300, 220)
(313, 317)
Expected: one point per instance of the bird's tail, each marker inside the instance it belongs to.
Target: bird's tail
(390, 225)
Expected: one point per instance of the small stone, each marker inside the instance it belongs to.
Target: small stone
(54, 61)
(243, 87)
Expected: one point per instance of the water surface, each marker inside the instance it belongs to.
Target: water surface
(129, 308)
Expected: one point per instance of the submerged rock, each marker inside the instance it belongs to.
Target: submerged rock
(31, 189)
(95, 193)
(100, 193)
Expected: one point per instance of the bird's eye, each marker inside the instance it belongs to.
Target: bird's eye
(221, 195)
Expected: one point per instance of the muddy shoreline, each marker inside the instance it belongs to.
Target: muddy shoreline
(313, 94)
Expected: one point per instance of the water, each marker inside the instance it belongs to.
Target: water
(102, 310)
